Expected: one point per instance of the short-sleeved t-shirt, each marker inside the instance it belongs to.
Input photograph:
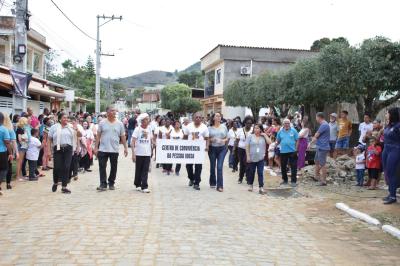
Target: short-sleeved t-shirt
(176, 135)
(344, 126)
(12, 134)
(4, 136)
(110, 135)
(287, 140)
(232, 135)
(132, 122)
(373, 160)
(164, 130)
(193, 132)
(242, 136)
(324, 137)
(66, 135)
(143, 138)
(257, 147)
(218, 134)
(21, 132)
(32, 153)
(333, 131)
(364, 128)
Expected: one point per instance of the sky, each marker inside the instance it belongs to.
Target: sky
(173, 34)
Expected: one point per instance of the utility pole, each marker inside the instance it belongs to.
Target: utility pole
(21, 22)
(99, 54)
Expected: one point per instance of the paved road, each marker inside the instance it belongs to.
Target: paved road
(174, 225)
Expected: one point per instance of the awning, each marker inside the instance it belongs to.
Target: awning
(34, 87)
(82, 100)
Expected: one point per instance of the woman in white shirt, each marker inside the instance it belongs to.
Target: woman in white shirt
(165, 133)
(241, 143)
(232, 135)
(177, 133)
(142, 139)
(303, 143)
(86, 146)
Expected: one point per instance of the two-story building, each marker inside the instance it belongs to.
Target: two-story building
(226, 63)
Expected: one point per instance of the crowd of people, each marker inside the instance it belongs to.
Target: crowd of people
(72, 141)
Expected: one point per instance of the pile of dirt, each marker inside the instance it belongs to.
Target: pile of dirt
(340, 170)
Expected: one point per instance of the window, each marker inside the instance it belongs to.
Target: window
(29, 60)
(37, 62)
(2, 54)
(218, 76)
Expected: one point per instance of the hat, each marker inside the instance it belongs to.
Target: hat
(334, 115)
(141, 117)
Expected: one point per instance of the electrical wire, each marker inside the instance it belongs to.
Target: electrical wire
(76, 26)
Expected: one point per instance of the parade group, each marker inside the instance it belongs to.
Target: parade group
(73, 141)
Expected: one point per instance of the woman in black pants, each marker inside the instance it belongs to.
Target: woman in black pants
(242, 135)
(61, 140)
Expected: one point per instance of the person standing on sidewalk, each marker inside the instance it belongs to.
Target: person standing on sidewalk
(288, 138)
(322, 138)
(303, 143)
(109, 134)
(344, 133)
(256, 146)
(142, 140)
(333, 127)
(196, 131)
(217, 151)
(241, 144)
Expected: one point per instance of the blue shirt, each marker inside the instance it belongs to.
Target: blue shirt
(287, 140)
(12, 134)
(392, 135)
(4, 135)
(324, 136)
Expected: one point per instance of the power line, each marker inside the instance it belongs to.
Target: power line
(62, 12)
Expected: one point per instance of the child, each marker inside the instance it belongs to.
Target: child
(373, 162)
(32, 154)
(271, 152)
(360, 165)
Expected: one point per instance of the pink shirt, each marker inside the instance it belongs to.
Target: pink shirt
(34, 121)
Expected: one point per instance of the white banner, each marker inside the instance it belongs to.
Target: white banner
(180, 151)
(69, 95)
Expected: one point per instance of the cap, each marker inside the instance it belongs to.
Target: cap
(334, 115)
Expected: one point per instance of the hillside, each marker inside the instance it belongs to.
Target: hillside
(151, 78)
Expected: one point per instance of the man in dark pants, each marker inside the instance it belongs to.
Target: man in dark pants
(196, 130)
(109, 134)
(288, 137)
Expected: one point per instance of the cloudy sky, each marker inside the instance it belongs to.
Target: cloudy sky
(173, 34)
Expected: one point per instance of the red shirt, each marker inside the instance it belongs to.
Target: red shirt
(373, 157)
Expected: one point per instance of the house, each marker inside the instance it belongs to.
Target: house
(226, 63)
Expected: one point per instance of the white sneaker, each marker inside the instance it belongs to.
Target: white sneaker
(272, 173)
(250, 188)
(261, 191)
(138, 189)
(146, 190)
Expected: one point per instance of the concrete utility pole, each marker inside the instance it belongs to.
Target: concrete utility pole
(99, 54)
(21, 19)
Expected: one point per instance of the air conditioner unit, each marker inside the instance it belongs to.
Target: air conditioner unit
(245, 70)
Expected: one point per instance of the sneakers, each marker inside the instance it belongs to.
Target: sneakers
(65, 190)
(283, 183)
(138, 189)
(261, 191)
(54, 188)
(177, 173)
(293, 184)
(240, 181)
(111, 187)
(190, 183)
(390, 200)
(146, 190)
(196, 187)
(101, 188)
(250, 189)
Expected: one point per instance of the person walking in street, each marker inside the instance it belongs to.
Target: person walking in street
(165, 133)
(256, 147)
(109, 134)
(61, 139)
(218, 134)
(177, 133)
(32, 154)
(303, 143)
(391, 153)
(344, 133)
(287, 138)
(14, 149)
(322, 138)
(142, 140)
(86, 147)
(132, 123)
(196, 131)
(232, 135)
(5, 150)
(333, 127)
(76, 156)
(241, 144)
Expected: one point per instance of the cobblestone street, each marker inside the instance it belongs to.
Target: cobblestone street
(174, 225)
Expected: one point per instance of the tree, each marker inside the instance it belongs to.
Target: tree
(181, 106)
(89, 66)
(172, 92)
(119, 91)
(193, 79)
(321, 43)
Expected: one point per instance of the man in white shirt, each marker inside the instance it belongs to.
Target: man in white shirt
(364, 128)
(196, 130)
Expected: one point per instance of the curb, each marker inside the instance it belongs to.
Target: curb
(391, 230)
